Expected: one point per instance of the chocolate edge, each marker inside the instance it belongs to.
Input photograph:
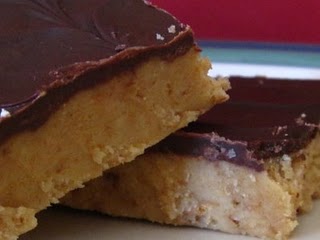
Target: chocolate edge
(209, 146)
(59, 92)
(270, 141)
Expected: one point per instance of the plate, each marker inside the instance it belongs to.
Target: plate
(66, 224)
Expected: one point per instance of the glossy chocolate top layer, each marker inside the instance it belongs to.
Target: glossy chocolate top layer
(209, 146)
(49, 44)
(272, 117)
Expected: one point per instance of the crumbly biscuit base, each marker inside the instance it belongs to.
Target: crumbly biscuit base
(183, 190)
(15, 221)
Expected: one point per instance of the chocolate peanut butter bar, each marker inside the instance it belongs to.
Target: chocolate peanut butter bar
(85, 86)
(248, 166)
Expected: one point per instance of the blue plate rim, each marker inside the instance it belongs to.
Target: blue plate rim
(260, 45)
(299, 55)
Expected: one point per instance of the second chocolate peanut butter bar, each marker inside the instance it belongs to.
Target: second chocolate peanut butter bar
(246, 167)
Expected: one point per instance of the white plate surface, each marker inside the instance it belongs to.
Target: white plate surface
(64, 224)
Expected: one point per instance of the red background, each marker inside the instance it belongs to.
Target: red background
(294, 21)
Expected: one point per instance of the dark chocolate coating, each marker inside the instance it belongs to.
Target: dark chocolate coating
(209, 146)
(271, 117)
(53, 48)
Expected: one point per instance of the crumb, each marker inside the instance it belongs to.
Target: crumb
(286, 157)
(279, 129)
(120, 47)
(172, 29)
(113, 35)
(301, 119)
(231, 153)
(4, 113)
(159, 37)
